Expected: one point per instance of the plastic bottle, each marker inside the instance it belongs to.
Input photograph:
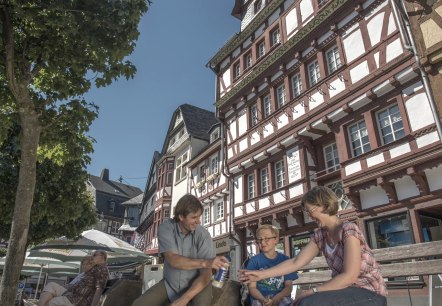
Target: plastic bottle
(220, 277)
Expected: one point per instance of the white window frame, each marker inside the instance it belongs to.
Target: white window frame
(180, 170)
(236, 70)
(275, 37)
(280, 95)
(314, 72)
(253, 115)
(214, 135)
(360, 133)
(279, 174)
(250, 186)
(267, 105)
(396, 134)
(213, 164)
(261, 49)
(331, 149)
(219, 210)
(333, 59)
(206, 215)
(296, 85)
(265, 186)
(248, 60)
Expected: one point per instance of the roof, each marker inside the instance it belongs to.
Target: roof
(115, 188)
(135, 200)
(198, 121)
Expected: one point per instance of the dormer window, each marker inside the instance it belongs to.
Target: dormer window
(214, 135)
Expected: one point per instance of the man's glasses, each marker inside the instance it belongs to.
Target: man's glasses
(309, 211)
(261, 240)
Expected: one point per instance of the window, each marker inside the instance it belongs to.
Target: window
(169, 178)
(321, 2)
(257, 6)
(236, 71)
(333, 59)
(331, 157)
(280, 95)
(280, 174)
(213, 165)
(359, 138)
(202, 173)
(250, 186)
(253, 115)
(206, 215)
(181, 171)
(264, 180)
(314, 74)
(248, 60)
(166, 213)
(219, 211)
(389, 232)
(215, 135)
(296, 85)
(111, 206)
(267, 105)
(172, 141)
(261, 49)
(275, 37)
(390, 124)
(181, 133)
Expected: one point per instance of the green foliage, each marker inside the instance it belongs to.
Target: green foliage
(2, 252)
(62, 205)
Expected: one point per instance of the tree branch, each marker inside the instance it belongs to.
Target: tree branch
(8, 40)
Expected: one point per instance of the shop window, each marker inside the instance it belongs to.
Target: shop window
(359, 138)
(333, 59)
(267, 105)
(297, 243)
(389, 231)
(390, 124)
(331, 157)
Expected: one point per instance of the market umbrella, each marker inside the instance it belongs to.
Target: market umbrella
(68, 250)
(47, 265)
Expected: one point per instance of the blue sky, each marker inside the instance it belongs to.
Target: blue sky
(177, 39)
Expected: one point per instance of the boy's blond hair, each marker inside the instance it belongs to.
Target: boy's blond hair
(270, 227)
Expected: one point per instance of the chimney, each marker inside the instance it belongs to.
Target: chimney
(105, 174)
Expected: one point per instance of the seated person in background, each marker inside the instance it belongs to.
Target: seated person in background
(274, 291)
(87, 291)
(52, 290)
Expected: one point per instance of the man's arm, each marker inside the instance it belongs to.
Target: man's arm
(184, 263)
(197, 286)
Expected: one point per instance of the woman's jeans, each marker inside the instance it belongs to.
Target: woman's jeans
(348, 296)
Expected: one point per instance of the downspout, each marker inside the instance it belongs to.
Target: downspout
(401, 15)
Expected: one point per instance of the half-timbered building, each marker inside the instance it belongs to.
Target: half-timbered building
(327, 93)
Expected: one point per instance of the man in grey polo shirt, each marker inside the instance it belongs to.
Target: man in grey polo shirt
(188, 259)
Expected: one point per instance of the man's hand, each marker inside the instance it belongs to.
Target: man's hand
(182, 301)
(217, 263)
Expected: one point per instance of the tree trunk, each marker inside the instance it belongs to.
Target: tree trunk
(29, 139)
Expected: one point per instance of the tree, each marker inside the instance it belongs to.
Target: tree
(51, 53)
(62, 205)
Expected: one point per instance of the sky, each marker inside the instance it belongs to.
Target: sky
(177, 39)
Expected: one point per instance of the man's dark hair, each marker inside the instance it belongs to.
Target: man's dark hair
(186, 205)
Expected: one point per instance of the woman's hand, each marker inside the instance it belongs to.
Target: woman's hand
(249, 276)
(303, 294)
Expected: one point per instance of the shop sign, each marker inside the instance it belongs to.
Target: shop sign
(222, 245)
(293, 165)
